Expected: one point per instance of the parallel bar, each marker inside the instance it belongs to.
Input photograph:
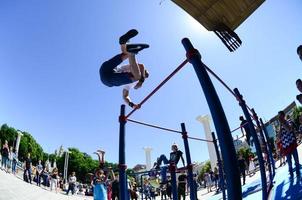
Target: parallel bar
(256, 142)
(153, 126)
(225, 138)
(189, 162)
(159, 86)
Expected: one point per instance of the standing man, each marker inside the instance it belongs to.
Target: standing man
(131, 75)
(5, 154)
(244, 125)
(27, 168)
(72, 179)
(289, 143)
(242, 167)
(39, 169)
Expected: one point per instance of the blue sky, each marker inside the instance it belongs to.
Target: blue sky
(51, 51)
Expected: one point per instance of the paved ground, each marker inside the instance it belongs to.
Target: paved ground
(13, 188)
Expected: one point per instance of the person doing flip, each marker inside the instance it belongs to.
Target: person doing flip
(131, 75)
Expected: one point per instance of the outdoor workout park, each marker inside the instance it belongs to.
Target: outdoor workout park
(232, 63)
(215, 20)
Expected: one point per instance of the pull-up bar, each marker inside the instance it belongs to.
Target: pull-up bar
(153, 126)
(159, 86)
(167, 129)
(203, 140)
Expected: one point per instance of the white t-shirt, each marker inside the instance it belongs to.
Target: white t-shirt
(122, 69)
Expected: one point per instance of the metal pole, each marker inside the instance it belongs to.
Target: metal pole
(256, 142)
(255, 116)
(221, 125)
(172, 168)
(122, 166)
(269, 147)
(189, 163)
(221, 177)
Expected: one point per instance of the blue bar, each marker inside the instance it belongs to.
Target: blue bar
(221, 176)
(256, 143)
(221, 124)
(122, 166)
(189, 162)
(269, 148)
(266, 146)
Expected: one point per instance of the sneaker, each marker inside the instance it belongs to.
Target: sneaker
(130, 34)
(135, 48)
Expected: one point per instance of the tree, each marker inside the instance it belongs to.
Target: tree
(8, 133)
(296, 114)
(205, 169)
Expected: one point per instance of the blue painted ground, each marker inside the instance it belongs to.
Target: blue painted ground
(284, 187)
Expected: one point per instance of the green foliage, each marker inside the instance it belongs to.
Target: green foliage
(29, 145)
(205, 169)
(296, 114)
(245, 152)
(82, 164)
(79, 162)
(9, 134)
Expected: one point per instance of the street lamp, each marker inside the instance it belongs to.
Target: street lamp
(20, 134)
(65, 174)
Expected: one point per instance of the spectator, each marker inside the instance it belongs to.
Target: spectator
(252, 166)
(208, 182)
(115, 188)
(27, 169)
(289, 143)
(45, 175)
(10, 158)
(5, 154)
(182, 183)
(54, 179)
(242, 167)
(72, 179)
(99, 185)
(169, 189)
(39, 169)
(14, 162)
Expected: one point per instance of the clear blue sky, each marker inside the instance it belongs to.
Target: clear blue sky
(51, 50)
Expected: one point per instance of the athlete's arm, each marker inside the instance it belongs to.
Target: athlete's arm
(127, 99)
